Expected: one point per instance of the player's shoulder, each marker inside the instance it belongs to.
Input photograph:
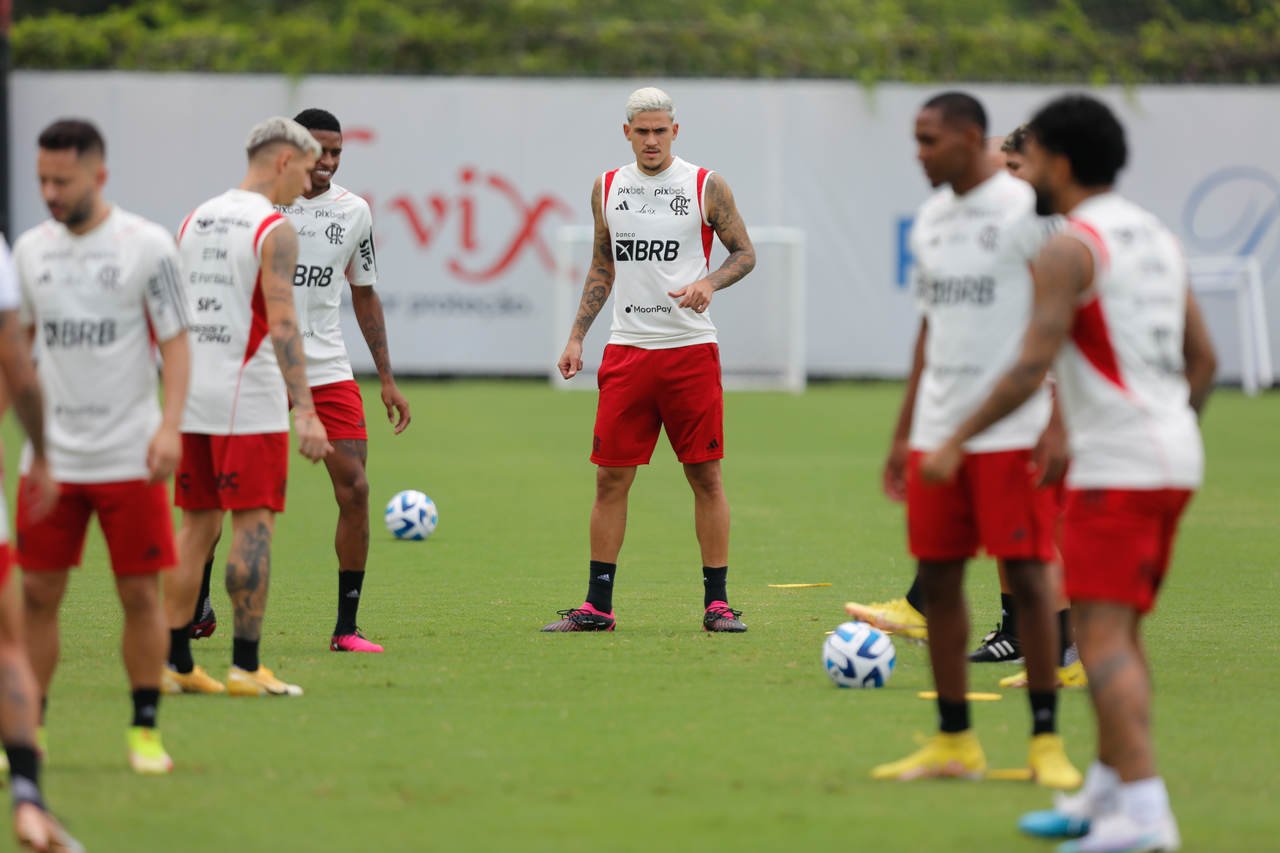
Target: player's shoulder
(345, 199)
(939, 202)
(132, 227)
(38, 235)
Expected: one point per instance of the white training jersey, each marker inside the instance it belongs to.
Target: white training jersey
(973, 285)
(661, 242)
(1121, 379)
(8, 302)
(97, 302)
(335, 248)
(236, 385)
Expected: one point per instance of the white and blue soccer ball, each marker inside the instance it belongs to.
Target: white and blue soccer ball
(858, 655)
(411, 515)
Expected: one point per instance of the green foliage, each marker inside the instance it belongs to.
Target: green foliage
(869, 40)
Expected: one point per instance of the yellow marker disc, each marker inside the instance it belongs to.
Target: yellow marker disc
(797, 585)
(972, 697)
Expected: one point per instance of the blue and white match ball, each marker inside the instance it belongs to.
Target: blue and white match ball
(411, 515)
(858, 655)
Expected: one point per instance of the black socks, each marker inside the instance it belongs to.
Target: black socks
(600, 585)
(713, 581)
(1008, 615)
(244, 654)
(953, 717)
(180, 650)
(349, 586)
(146, 701)
(1044, 711)
(204, 591)
(24, 775)
(915, 597)
(1064, 632)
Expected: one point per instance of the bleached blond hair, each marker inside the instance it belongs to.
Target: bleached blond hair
(281, 129)
(649, 99)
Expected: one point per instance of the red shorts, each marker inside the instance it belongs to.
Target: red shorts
(134, 517)
(643, 390)
(1117, 543)
(6, 565)
(341, 409)
(233, 471)
(993, 502)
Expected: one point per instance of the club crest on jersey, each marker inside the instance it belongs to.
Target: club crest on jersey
(109, 278)
(987, 238)
(334, 232)
(646, 250)
(680, 205)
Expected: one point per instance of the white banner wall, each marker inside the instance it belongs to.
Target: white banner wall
(470, 179)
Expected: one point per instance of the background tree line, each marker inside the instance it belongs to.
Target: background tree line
(1094, 41)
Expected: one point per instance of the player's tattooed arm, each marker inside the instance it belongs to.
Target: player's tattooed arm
(20, 382)
(595, 292)
(600, 277)
(722, 213)
(1199, 358)
(279, 260)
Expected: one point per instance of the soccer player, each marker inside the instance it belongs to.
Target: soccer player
(1114, 315)
(654, 221)
(335, 248)
(239, 257)
(34, 827)
(98, 283)
(972, 241)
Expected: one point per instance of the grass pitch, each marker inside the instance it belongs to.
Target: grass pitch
(476, 732)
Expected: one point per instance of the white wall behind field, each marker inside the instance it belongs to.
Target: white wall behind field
(470, 179)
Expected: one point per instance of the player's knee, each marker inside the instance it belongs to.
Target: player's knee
(705, 480)
(139, 595)
(354, 493)
(612, 483)
(40, 592)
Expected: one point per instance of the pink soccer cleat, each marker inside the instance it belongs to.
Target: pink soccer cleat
(352, 643)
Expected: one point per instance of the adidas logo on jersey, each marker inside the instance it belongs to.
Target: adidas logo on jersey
(623, 206)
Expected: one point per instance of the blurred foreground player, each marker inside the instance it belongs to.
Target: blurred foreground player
(972, 241)
(239, 256)
(34, 827)
(654, 221)
(98, 285)
(1114, 316)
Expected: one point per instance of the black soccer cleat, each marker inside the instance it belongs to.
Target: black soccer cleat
(999, 646)
(721, 619)
(583, 618)
(206, 623)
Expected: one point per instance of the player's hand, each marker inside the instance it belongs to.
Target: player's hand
(570, 363)
(894, 478)
(36, 829)
(941, 465)
(41, 491)
(313, 441)
(696, 296)
(163, 454)
(397, 407)
(1050, 455)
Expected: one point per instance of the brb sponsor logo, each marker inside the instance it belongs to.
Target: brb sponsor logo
(79, 334)
(626, 248)
(312, 276)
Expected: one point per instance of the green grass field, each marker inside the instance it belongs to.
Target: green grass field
(476, 732)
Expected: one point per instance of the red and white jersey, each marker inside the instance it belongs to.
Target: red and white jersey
(335, 248)
(661, 242)
(973, 284)
(8, 302)
(236, 386)
(1121, 379)
(96, 300)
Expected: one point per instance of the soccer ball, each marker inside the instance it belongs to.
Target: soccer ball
(858, 655)
(411, 515)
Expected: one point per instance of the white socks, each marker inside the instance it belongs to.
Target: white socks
(1146, 801)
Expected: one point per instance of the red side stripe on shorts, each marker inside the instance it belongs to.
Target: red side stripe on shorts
(262, 229)
(1089, 334)
(707, 230)
(258, 326)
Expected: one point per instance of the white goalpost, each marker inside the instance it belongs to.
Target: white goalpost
(1239, 278)
(760, 320)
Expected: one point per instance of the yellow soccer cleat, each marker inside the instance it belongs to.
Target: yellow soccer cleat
(195, 681)
(943, 755)
(1068, 676)
(895, 617)
(146, 752)
(260, 682)
(1049, 764)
